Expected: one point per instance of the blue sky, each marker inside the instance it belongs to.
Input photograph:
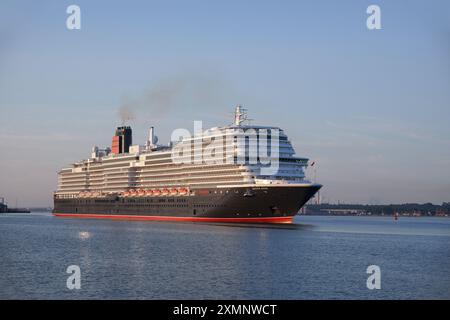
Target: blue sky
(371, 107)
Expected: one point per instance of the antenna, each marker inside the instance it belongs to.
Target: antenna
(240, 115)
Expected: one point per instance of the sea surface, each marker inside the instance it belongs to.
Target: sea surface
(316, 258)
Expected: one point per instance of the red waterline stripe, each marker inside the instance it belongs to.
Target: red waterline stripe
(167, 218)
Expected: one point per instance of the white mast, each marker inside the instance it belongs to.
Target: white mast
(240, 115)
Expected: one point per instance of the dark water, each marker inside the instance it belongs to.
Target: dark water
(319, 257)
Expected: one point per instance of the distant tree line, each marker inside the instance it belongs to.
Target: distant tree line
(390, 209)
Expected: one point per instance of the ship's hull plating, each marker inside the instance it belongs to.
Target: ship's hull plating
(272, 204)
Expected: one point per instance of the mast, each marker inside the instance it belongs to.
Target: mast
(240, 115)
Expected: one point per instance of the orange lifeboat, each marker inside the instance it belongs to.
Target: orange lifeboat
(87, 194)
(148, 192)
(141, 192)
(156, 192)
(182, 191)
(173, 191)
(165, 191)
(126, 193)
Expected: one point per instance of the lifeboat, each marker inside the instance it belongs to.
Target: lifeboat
(156, 192)
(148, 192)
(164, 191)
(126, 193)
(87, 194)
(141, 192)
(132, 192)
(182, 191)
(173, 191)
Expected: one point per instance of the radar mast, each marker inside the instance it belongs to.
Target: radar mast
(240, 115)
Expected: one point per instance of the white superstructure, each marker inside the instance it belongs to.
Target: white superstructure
(156, 166)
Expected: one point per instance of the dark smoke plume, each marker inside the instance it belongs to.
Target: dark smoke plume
(172, 93)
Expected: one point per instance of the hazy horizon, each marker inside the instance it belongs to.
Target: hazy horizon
(371, 107)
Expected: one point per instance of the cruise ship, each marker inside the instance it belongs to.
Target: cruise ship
(236, 173)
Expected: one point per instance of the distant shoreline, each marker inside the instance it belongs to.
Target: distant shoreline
(392, 210)
(368, 215)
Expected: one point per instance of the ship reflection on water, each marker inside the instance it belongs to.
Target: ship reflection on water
(281, 226)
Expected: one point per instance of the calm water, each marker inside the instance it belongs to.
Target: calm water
(319, 257)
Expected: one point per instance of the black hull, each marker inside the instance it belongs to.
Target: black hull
(276, 204)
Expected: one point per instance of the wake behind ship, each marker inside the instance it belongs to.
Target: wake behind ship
(236, 173)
